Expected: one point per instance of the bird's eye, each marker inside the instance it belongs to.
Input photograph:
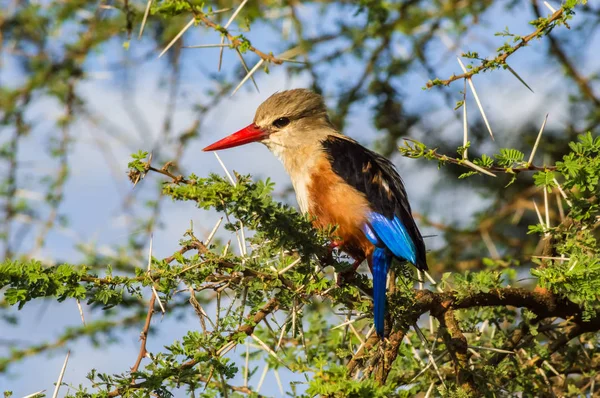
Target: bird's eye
(281, 122)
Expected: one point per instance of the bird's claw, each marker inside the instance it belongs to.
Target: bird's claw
(349, 274)
(328, 258)
(344, 277)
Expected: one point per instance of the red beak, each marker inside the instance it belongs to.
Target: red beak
(248, 134)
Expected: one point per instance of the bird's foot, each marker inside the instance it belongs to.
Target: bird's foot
(328, 259)
(348, 275)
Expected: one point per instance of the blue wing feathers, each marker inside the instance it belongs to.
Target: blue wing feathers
(392, 234)
(389, 237)
(381, 264)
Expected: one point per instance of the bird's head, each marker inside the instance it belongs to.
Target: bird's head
(288, 118)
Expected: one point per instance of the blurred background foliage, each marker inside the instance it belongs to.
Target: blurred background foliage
(369, 59)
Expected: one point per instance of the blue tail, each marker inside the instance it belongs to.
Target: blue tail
(381, 264)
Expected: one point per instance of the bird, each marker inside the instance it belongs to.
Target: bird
(339, 182)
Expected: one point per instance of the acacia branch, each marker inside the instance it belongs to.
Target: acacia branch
(248, 328)
(457, 346)
(235, 42)
(144, 336)
(414, 153)
(570, 68)
(543, 303)
(502, 57)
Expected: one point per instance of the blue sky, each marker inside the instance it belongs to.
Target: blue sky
(98, 184)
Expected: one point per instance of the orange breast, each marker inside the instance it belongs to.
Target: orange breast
(333, 202)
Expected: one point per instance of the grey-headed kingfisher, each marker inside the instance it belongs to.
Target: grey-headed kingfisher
(338, 182)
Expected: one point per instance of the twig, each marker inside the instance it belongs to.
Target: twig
(429, 353)
(500, 59)
(235, 13)
(143, 337)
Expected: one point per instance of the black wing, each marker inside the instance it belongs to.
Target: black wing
(377, 178)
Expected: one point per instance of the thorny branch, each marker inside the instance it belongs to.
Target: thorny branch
(144, 336)
(247, 328)
(414, 152)
(545, 28)
(457, 347)
(581, 81)
(235, 42)
(441, 305)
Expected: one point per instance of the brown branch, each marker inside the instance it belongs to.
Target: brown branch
(497, 169)
(501, 59)
(570, 69)
(165, 171)
(144, 336)
(543, 303)
(457, 346)
(561, 342)
(224, 386)
(248, 328)
(234, 41)
(360, 357)
(390, 355)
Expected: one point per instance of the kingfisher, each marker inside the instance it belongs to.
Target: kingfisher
(339, 182)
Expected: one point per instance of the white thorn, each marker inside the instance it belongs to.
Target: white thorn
(81, 312)
(186, 27)
(472, 86)
(226, 348)
(145, 17)
(477, 168)
(262, 377)
(563, 194)
(235, 13)
(546, 209)
(246, 68)
(550, 7)
(539, 216)
(248, 75)
(162, 309)
(225, 168)
(278, 379)
(60, 376)
(537, 140)
(429, 353)
(207, 46)
(465, 124)
(150, 253)
(267, 349)
(491, 349)
(341, 325)
(289, 267)
(34, 394)
(213, 232)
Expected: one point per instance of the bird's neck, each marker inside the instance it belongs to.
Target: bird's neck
(299, 154)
